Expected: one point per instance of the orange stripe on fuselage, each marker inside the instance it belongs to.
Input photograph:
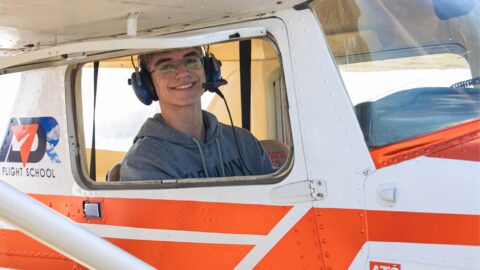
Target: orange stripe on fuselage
(465, 151)
(298, 249)
(425, 228)
(174, 255)
(20, 251)
(230, 218)
(324, 237)
(330, 238)
(432, 143)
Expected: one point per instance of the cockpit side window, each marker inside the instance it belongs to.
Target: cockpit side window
(119, 116)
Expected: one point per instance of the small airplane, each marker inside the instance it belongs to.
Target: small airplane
(369, 110)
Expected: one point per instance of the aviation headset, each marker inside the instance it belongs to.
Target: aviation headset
(143, 87)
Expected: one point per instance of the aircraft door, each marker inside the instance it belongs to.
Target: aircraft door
(336, 156)
(223, 221)
(423, 214)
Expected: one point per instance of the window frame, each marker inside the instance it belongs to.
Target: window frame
(78, 151)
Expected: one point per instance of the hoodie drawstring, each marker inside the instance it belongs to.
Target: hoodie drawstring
(201, 156)
(220, 155)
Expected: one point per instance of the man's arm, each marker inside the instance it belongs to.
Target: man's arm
(140, 164)
(255, 157)
(267, 166)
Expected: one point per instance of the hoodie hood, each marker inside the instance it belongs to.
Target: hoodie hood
(155, 127)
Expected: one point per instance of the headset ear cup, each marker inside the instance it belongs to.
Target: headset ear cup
(143, 87)
(206, 67)
(146, 77)
(212, 71)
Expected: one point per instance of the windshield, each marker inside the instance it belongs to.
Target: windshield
(410, 67)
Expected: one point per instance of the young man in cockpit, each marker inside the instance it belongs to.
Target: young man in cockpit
(184, 141)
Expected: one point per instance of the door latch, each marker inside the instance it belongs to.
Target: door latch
(387, 194)
(92, 210)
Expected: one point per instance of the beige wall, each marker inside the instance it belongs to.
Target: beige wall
(105, 161)
(265, 69)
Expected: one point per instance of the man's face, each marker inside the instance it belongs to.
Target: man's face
(178, 77)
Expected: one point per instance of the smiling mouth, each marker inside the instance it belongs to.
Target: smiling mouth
(184, 86)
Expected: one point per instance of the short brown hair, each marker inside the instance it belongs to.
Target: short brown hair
(144, 59)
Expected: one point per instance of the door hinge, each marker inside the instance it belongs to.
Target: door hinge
(318, 189)
(303, 191)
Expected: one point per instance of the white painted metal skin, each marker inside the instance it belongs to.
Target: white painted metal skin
(335, 151)
(81, 48)
(24, 25)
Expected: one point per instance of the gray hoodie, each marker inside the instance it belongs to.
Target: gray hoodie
(161, 152)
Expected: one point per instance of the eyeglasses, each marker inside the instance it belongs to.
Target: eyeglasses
(170, 68)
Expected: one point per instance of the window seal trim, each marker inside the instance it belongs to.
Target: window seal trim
(402, 52)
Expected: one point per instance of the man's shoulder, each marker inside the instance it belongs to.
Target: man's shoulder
(144, 146)
(241, 132)
(245, 138)
(140, 159)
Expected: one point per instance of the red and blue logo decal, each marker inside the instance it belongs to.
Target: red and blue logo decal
(29, 139)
